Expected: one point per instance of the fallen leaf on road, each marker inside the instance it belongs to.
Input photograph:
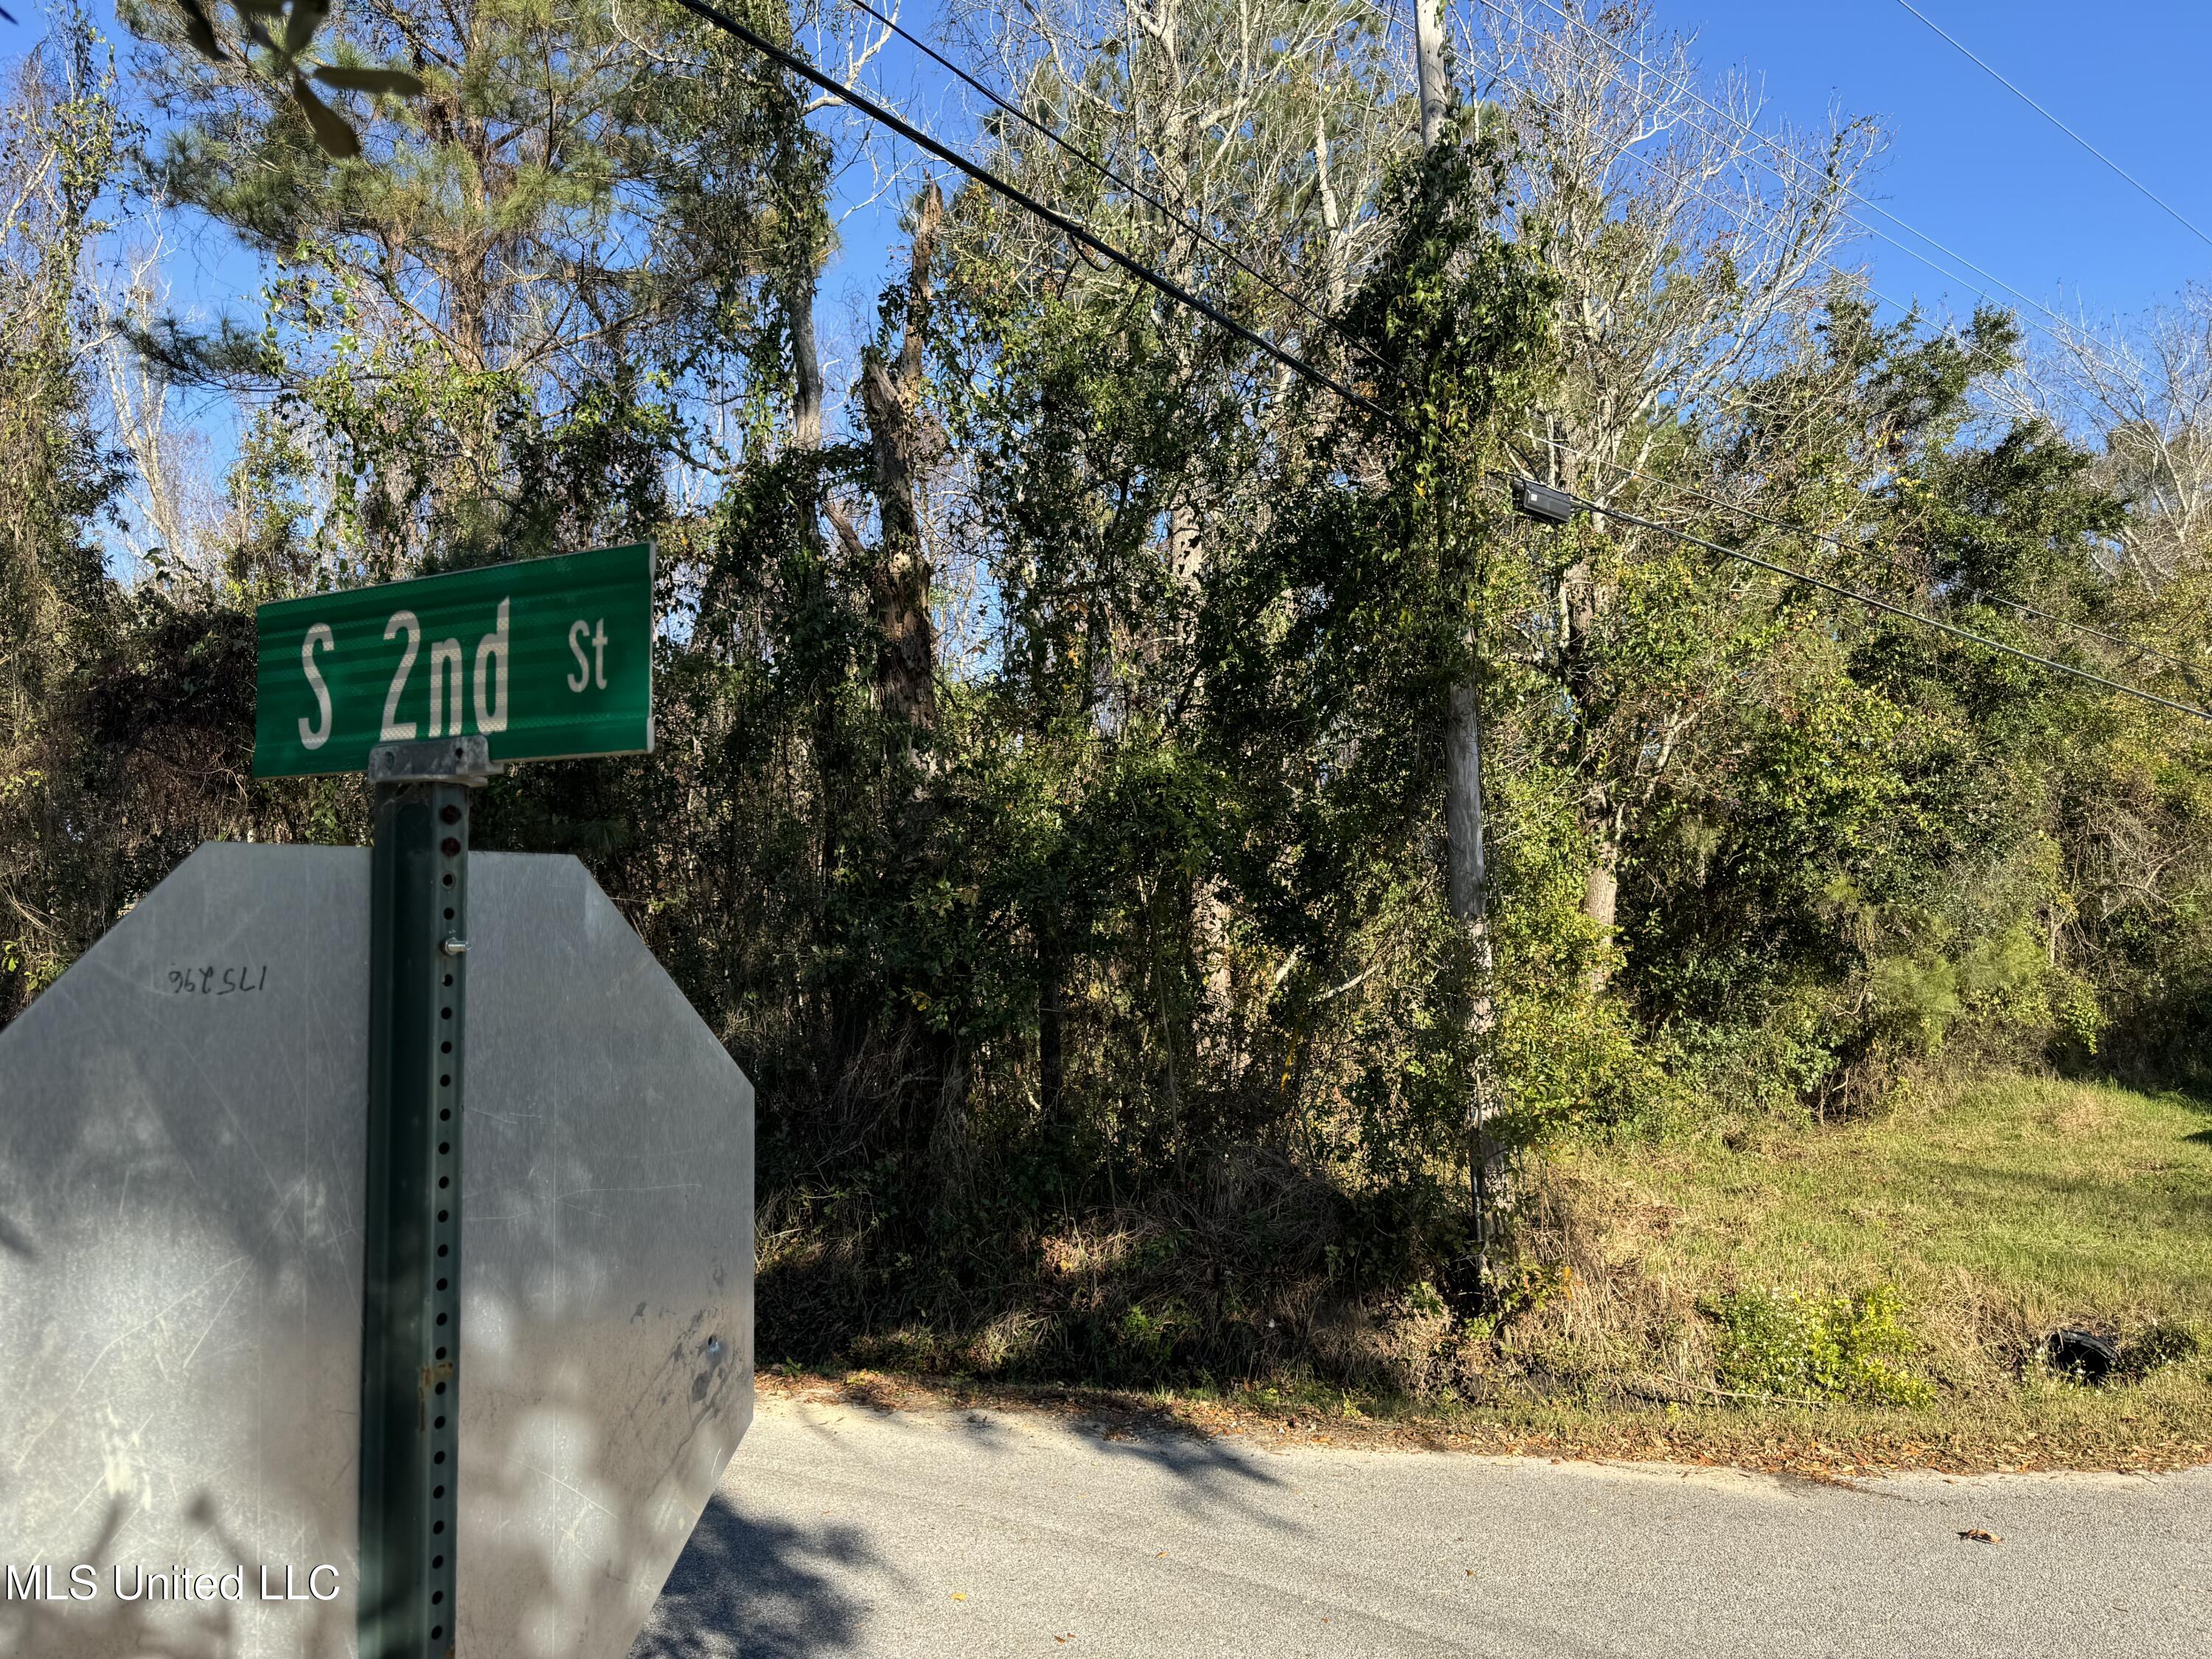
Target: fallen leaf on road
(1981, 1537)
(960, 1596)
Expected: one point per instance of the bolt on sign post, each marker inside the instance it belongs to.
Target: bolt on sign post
(232, 1271)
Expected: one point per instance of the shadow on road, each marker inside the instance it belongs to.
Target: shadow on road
(746, 1589)
(1209, 1473)
(753, 1583)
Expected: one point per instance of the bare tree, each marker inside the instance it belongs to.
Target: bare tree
(1245, 145)
(1689, 243)
(1686, 240)
(2143, 395)
(1270, 117)
(903, 443)
(172, 498)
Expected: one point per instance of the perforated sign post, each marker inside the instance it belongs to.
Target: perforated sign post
(242, 1110)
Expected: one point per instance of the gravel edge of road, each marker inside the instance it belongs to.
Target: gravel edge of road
(1833, 1447)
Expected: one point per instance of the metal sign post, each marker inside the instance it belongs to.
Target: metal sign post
(412, 1257)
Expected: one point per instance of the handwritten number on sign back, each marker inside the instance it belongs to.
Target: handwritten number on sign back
(214, 980)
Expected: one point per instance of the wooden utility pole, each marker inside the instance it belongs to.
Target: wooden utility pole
(1429, 43)
(1463, 806)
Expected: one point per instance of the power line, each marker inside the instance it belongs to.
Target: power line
(1876, 602)
(2124, 643)
(1986, 68)
(797, 65)
(1741, 217)
(1836, 541)
(2069, 338)
(1181, 217)
(784, 58)
(1183, 222)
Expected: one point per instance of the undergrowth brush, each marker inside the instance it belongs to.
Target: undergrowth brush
(1915, 1262)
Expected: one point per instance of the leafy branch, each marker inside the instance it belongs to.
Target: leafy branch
(276, 39)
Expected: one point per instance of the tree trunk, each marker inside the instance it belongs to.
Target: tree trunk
(1601, 891)
(898, 583)
(1602, 888)
(1600, 898)
(1464, 828)
(1580, 604)
(805, 364)
(901, 443)
(1052, 1024)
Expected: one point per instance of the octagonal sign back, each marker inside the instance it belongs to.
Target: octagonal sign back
(182, 1176)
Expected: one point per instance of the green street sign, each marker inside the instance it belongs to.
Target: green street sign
(546, 658)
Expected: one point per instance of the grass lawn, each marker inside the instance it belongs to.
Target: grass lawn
(2022, 1202)
(1997, 1212)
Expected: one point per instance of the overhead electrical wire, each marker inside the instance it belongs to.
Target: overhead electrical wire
(2135, 646)
(790, 61)
(1974, 58)
(1740, 214)
(795, 64)
(1835, 540)
(1181, 216)
(1741, 217)
(1874, 601)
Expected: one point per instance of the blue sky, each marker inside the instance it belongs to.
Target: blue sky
(1968, 162)
(1972, 165)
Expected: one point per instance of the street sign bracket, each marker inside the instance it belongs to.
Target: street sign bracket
(441, 760)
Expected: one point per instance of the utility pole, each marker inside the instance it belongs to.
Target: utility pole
(1429, 43)
(1463, 806)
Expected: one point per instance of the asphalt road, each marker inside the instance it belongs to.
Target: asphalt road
(840, 1531)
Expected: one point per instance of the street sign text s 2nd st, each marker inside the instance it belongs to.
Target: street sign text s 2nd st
(544, 658)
